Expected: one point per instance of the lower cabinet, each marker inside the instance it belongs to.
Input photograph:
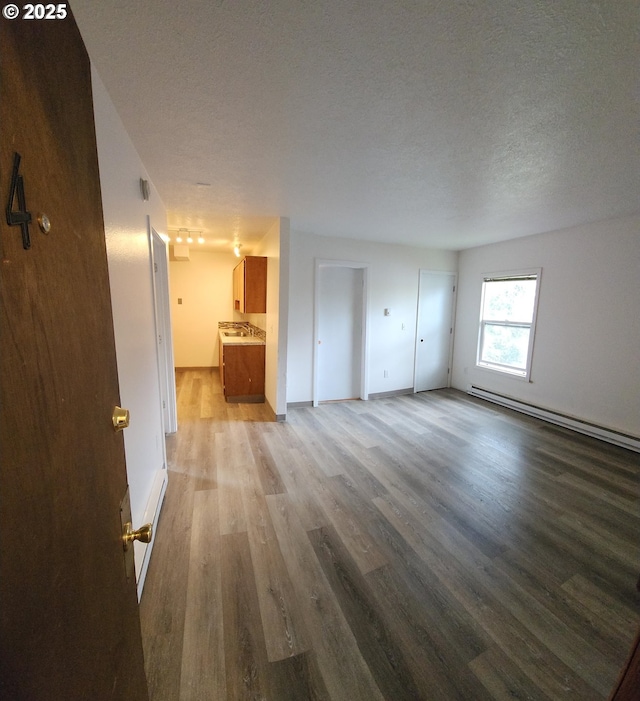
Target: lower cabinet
(242, 372)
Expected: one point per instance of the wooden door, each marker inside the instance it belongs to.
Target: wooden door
(69, 626)
(627, 688)
(255, 285)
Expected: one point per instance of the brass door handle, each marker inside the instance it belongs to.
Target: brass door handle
(120, 418)
(143, 534)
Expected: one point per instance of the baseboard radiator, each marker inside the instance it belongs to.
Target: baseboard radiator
(589, 429)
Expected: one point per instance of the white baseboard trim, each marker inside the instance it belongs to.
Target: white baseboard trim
(299, 405)
(605, 434)
(391, 393)
(142, 551)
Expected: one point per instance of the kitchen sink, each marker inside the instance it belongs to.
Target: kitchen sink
(235, 333)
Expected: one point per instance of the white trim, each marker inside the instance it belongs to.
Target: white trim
(280, 410)
(516, 373)
(163, 327)
(575, 424)
(151, 515)
(364, 374)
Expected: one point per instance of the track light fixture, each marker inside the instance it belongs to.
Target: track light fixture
(187, 235)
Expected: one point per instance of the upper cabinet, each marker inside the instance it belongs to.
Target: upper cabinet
(250, 285)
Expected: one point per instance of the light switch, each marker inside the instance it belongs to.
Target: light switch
(179, 300)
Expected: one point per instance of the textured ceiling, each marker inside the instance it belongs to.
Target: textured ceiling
(442, 123)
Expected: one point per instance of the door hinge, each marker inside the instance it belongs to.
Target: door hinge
(155, 267)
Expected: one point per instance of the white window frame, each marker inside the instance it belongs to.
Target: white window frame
(524, 373)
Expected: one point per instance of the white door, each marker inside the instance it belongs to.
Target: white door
(163, 331)
(340, 311)
(434, 330)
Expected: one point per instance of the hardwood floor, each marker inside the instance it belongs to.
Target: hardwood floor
(430, 546)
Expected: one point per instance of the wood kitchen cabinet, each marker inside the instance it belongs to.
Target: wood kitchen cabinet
(250, 285)
(242, 372)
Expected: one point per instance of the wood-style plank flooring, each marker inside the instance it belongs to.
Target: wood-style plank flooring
(430, 546)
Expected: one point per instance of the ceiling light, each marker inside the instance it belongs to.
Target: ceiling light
(184, 234)
(236, 249)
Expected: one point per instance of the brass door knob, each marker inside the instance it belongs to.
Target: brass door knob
(120, 418)
(143, 534)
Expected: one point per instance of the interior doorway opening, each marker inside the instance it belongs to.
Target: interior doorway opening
(340, 357)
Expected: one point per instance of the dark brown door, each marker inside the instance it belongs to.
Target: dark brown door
(69, 626)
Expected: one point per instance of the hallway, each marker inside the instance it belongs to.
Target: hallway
(429, 546)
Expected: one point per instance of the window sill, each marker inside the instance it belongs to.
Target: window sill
(505, 372)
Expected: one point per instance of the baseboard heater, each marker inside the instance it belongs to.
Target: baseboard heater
(589, 429)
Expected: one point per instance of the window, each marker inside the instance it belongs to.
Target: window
(507, 322)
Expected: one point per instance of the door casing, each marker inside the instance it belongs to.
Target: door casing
(321, 264)
(434, 329)
(164, 340)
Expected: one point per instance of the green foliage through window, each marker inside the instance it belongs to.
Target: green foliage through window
(508, 310)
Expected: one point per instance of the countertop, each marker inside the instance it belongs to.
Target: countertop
(239, 340)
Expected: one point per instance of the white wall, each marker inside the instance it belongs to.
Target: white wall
(392, 282)
(586, 358)
(129, 258)
(275, 247)
(205, 285)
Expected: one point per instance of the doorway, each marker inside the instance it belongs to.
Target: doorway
(164, 339)
(340, 334)
(434, 330)
(70, 623)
